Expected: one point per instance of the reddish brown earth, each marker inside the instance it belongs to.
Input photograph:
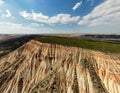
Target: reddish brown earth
(46, 68)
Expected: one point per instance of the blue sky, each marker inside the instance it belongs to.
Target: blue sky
(59, 16)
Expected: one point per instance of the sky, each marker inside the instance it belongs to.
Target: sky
(59, 16)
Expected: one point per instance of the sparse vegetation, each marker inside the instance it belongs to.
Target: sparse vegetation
(104, 46)
(3, 54)
(14, 43)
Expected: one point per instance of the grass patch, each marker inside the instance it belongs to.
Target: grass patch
(104, 46)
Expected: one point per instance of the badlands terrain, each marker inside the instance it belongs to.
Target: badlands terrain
(37, 67)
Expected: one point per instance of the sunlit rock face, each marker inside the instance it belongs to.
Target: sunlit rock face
(48, 68)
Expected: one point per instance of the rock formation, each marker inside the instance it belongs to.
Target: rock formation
(48, 68)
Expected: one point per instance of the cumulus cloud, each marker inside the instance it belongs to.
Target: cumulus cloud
(8, 13)
(60, 18)
(34, 16)
(1, 2)
(105, 13)
(77, 5)
(63, 19)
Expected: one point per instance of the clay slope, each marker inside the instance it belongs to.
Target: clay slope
(46, 68)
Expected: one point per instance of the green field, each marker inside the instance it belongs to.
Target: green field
(104, 46)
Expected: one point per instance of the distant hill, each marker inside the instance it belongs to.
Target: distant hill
(13, 42)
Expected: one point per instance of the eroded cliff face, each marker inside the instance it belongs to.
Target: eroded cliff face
(47, 68)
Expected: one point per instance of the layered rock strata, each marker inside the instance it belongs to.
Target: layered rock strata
(48, 68)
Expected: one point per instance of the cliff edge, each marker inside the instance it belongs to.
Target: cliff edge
(39, 67)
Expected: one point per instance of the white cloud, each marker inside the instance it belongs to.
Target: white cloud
(5, 14)
(14, 28)
(105, 13)
(37, 25)
(1, 2)
(77, 5)
(63, 19)
(35, 16)
(60, 18)
(91, 1)
(8, 13)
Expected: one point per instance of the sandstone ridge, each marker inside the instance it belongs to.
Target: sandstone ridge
(39, 67)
